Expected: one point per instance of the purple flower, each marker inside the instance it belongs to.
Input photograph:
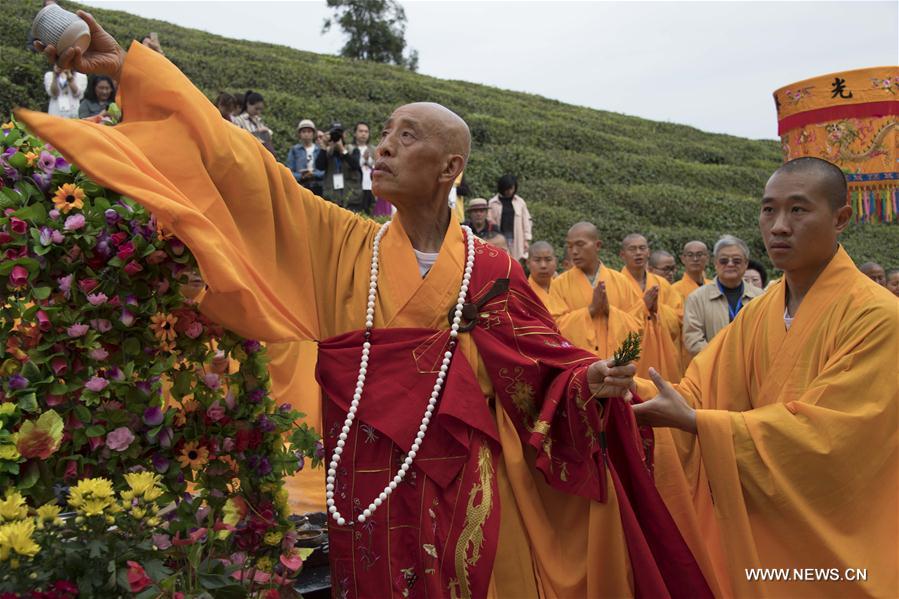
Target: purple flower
(45, 238)
(98, 354)
(96, 384)
(211, 380)
(112, 217)
(115, 374)
(77, 330)
(320, 450)
(127, 317)
(160, 462)
(120, 439)
(165, 437)
(284, 407)
(215, 412)
(153, 416)
(46, 162)
(144, 386)
(65, 284)
(301, 460)
(17, 381)
(251, 346)
(74, 222)
(61, 164)
(259, 464)
(42, 180)
(256, 395)
(96, 299)
(264, 424)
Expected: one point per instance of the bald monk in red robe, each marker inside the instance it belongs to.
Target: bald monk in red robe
(528, 436)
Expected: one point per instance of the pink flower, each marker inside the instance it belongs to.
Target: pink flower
(65, 284)
(229, 400)
(56, 236)
(54, 400)
(77, 330)
(132, 268)
(98, 354)
(119, 439)
(194, 330)
(126, 250)
(43, 321)
(101, 324)
(212, 380)
(127, 317)
(54, 214)
(157, 257)
(74, 222)
(162, 286)
(88, 285)
(95, 442)
(18, 226)
(96, 299)
(96, 384)
(18, 277)
(59, 365)
(228, 444)
(215, 412)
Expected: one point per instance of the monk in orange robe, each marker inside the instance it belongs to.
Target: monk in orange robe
(586, 300)
(794, 408)
(662, 307)
(542, 266)
(474, 518)
(695, 258)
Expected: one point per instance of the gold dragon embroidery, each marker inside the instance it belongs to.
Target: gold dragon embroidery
(472, 534)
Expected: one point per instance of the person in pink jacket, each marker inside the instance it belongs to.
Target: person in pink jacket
(511, 214)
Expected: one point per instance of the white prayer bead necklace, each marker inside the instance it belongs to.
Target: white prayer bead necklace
(363, 369)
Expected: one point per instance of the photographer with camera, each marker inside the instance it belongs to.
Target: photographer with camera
(342, 183)
(65, 88)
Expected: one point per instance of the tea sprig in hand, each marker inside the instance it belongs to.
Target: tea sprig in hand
(629, 350)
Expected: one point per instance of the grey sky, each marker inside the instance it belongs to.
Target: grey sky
(712, 65)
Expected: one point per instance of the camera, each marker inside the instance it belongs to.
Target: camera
(336, 132)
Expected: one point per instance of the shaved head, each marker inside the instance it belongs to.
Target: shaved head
(657, 257)
(540, 247)
(831, 180)
(875, 272)
(542, 262)
(662, 263)
(498, 240)
(584, 228)
(695, 246)
(632, 239)
(450, 126)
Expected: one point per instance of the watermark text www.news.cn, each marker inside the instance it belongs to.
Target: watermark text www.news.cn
(807, 574)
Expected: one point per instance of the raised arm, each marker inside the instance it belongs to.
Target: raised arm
(267, 247)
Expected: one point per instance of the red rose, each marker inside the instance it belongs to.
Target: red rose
(14, 254)
(132, 268)
(137, 577)
(59, 365)
(119, 238)
(157, 257)
(5, 237)
(87, 285)
(43, 321)
(18, 226)
(18, 277)
(96, 261)
(126, 250)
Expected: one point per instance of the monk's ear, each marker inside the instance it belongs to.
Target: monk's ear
(842, 217)
(452, 168)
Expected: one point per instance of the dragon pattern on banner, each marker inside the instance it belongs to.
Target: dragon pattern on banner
(851, 119)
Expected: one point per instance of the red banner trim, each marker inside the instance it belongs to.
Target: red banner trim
(833, 113)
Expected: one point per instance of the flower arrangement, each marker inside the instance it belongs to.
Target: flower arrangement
(140, 448)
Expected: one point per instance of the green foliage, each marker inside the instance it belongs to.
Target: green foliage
(671, 182)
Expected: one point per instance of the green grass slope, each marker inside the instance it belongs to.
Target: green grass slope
(671, 182)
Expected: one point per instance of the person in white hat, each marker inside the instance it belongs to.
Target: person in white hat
(301, 158)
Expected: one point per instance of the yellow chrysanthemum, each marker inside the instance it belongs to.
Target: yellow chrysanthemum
(7, 126)
(138, 512)
(163, 326)
(13, 507)
(7, 408)
(9, 452)
(67, 197)
(140, 482)
(193, 456)
(48, 513)
(31, 157)
(152, 494)
(264, 564)
(273, 538)
(92, 496)
(15, 537)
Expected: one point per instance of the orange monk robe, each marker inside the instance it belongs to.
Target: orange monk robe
(542, 293)
(292, 368)
(570, 296)
(300, 265)
(573, 292)
(798, 436)
(662, 341)
(686, 285)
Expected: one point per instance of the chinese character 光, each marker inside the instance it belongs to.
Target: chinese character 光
(839, 89)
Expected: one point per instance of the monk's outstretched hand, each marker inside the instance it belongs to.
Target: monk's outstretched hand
(103, 57)
(667, 409)
(606, 380)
